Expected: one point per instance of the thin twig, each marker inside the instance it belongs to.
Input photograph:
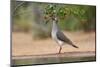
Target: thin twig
(17, 7)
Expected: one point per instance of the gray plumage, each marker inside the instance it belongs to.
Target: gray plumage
(63, 38)
(58, 36)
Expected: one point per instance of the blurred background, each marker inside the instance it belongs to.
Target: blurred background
(29, 31)
(31, 17)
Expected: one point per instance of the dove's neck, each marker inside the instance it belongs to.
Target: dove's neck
(54, 26)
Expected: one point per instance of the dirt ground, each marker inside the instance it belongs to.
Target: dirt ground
(23, 44)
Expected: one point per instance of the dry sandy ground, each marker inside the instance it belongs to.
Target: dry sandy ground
(23, 44)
